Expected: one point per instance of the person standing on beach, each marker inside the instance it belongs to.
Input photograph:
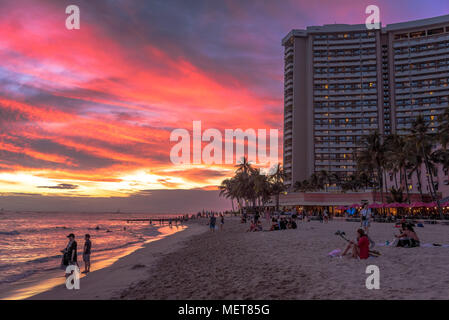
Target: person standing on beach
(326, 216)
(221, 221)
(86, 253)
(366, 217)
(212, 222)
(70, 254)
(366, 221)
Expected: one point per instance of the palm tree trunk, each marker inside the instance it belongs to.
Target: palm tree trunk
(380, 182)
(432, 187)
(406, 185)
(418, 176)
(277, 201)
(396, 180)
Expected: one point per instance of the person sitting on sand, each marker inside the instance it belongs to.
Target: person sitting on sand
(408, 237)
(274, 224)
(360, 248)
(414, 240)
(252, 227)
(402, 237)
(282, 224)
(293, 224)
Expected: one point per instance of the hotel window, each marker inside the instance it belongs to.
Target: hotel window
(417, 34)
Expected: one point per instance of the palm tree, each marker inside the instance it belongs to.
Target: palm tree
(334, 179)
(324, 179)
(351, 182)
(443, 128)
(262, 187)
(441, 156)
(396, 195)
(423, 143)
(371, 158)
(227, 191)
(397, 152)
(277, 183)
(244, 166)
(315, 182)
(302, 186)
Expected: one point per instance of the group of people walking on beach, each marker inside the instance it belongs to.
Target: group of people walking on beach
(213, 222)
(70, 254)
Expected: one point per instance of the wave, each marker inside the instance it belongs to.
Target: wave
(32, 230)
(17, 277)
(9, 233)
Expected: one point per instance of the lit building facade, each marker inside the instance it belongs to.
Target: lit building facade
(344, 81)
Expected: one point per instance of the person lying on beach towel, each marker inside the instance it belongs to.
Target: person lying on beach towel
(360, 247)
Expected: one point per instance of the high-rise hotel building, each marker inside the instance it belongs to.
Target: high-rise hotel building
(344, 81)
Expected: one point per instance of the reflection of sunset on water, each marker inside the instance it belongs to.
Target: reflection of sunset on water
(34, 267)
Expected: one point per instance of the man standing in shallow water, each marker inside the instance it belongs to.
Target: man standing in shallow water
(212, 222)
(70, 253)
(86, 253)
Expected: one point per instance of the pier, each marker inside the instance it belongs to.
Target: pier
(157, 220)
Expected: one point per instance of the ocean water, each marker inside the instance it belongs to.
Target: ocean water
(31, 243)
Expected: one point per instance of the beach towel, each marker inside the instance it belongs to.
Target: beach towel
(425, 245)
(334, 253)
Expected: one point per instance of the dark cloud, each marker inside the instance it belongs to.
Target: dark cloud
(65, 186)
(195, 174)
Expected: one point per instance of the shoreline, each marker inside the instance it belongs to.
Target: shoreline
(107, 275)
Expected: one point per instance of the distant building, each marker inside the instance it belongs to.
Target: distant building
(343, 81)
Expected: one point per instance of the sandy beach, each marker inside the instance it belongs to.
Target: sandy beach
(287, 264)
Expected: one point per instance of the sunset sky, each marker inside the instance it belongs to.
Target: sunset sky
(88, 113)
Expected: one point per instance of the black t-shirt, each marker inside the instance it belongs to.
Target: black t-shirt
(87, 247)
(70, 251)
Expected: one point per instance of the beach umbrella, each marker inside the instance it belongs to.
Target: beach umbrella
(377, 205)
(418, 204)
